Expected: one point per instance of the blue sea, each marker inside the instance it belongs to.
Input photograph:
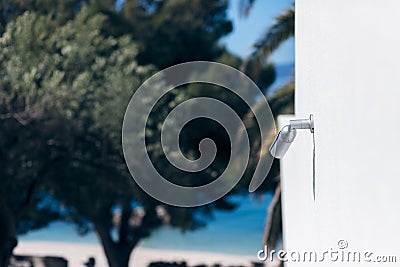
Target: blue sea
(236, 232)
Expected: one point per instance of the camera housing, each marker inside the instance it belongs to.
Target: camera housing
(287, 134)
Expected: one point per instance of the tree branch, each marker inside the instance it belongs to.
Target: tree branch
(17, 116)
(28, 202)
(105, 238)
(32, 189)
(124, 223)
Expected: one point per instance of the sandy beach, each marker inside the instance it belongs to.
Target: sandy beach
(76, 254)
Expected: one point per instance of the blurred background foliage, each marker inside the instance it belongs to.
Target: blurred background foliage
(67, 71)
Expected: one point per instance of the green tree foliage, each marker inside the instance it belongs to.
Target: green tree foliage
(64, 92)
(178, 31)
(167, 31)
(62, 10)
(67, 71)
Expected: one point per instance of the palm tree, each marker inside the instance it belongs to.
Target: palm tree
(276, 34)
(282, 101)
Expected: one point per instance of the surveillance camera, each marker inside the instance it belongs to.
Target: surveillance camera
(287, 135)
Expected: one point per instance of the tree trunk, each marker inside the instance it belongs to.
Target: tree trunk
(273, 227)
(8, 233)
(118, 254)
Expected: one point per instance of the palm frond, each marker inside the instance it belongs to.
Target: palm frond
(282, 101)
(280, 31)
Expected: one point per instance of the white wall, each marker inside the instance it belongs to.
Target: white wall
(348, 76)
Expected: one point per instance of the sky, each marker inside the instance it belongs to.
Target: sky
(247, 30)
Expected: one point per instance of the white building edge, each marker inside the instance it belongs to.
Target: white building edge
(348, 76)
